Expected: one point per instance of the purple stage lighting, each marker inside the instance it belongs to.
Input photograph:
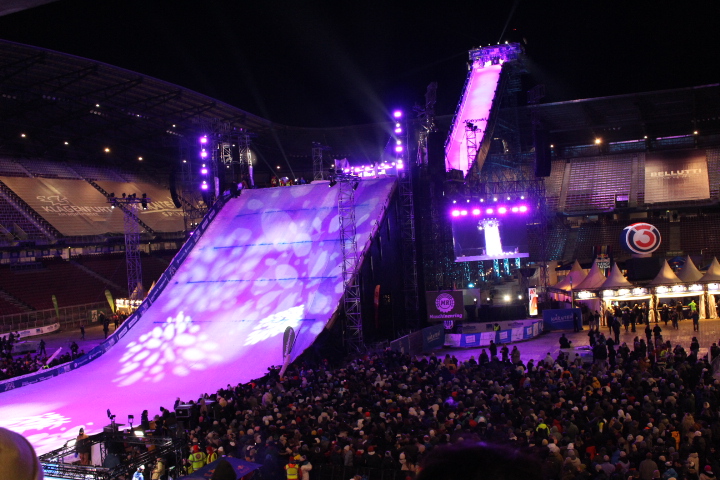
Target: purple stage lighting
(523, 208)
(476, 211)
(455, 213)
(204, 171)
(203, 140)
(397, 113)
(502, 210)
(514, 209)
(489, 211)
(398, 130)
(204, 186)
(203, 153)
(463, 212)
(399, 148)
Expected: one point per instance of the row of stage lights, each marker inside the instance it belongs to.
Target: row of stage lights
(203, 156)
(399, 147)
(132, 198)
(477, 211)
(373, 170)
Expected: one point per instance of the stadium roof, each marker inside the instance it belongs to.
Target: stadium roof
(52, 98)
(628, 117)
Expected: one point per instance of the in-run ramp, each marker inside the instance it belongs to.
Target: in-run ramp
(269, 259)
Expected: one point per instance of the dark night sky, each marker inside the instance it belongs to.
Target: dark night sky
(332, 63)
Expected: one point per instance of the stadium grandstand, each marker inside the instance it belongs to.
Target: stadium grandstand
(296, 270)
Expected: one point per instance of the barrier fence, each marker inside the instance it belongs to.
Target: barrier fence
(421, 341)
(69, 317)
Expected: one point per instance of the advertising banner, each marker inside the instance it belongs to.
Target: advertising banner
(433, 337)
(561, 319)
(447, 305)
(676, 176)
(533, 301)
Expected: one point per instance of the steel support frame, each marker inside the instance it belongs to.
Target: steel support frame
(317, 158)
(350, 262)
(194, 207)
(245, 160)
(407, 236)
(471, 143)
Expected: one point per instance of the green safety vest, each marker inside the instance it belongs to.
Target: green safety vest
(198, 460)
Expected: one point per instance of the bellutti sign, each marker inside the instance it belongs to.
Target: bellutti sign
(444, 305)
(673, 176)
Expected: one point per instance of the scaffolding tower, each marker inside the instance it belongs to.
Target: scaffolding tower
(130, 206)
(317, 157)
(350, 260)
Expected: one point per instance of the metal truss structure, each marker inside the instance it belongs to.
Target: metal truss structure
(54, 465)
(471, 142)
(350, 260)
(407, 235)
(190, 196)
(317, 158)
(130, 206)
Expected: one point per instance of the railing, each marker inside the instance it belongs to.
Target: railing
(69, 317)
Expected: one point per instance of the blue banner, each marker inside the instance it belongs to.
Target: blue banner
(433, 337)
(562, 318)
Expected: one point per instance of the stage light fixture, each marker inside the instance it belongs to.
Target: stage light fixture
(598, 141)
(455, 213)
(397, 114)
(399, 148)
(502, 210)
(489, 211)
(203, 139)
(476, 211)
(463, 213)
(203, 153)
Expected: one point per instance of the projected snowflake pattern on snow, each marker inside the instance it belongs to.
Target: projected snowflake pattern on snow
(52, 429)
(270, 259)
(275, 324)
(178, 346)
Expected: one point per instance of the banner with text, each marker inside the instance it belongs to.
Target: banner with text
(676, 176)
(446, 305)
(561, 319)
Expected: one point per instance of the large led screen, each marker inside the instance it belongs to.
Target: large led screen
(482, 232)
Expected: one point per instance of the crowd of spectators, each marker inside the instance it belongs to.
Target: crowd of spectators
(379, 415)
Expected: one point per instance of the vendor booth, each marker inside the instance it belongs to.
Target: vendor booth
(588, 290)
(563, 290)
(666, 285)
(711, 280)
(617, 288)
